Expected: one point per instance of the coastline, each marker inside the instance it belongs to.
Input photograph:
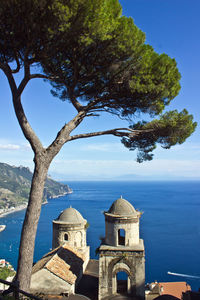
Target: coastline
(61, 195)
(13, 210)
(24, 206)
(18, 208)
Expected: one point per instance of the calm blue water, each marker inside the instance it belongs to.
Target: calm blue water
(170, 224)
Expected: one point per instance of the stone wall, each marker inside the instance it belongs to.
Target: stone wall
(131, 232)
(73, 235)
(46, 282)
(130, 261)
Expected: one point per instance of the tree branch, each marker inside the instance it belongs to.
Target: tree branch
(63, 135)
(25, 80)
(33, 76)
(92, 104)
(20, 114)
(8, 72)
(76, 103)
(16, 70)
(25, 126)
(119, 132)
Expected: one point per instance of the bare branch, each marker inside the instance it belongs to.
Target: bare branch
(92, 104)
(22, 85)
(119, 132)
(25, 126)
(75, 102)
(16, 70)
(92, 115)
(33, 76)
(8, 72)
(63, 135)
(98, 103)
(25, 80)
(16, 93)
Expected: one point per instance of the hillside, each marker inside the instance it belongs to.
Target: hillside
(15, 183)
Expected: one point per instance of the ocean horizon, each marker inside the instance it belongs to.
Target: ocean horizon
(169, 225)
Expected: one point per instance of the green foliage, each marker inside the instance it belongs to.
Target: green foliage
(19, 31)
(94, 55)
(31, 27)
(172, 128)
(83, 64)
(6, 272)
(15, 183)
(116, 67)
(97, 60)
(87, 225)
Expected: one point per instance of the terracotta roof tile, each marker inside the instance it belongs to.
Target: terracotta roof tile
(64, 261)
(61, 269)
(174, 288)
(42, 262)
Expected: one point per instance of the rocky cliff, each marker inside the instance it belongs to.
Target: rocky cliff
(15, 183)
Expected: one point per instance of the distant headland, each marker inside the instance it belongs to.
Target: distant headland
(15, 184)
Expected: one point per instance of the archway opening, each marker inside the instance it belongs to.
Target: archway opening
(122, 282)
(66, 238)
(121, 237)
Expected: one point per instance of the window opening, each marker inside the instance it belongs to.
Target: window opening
(121, 237)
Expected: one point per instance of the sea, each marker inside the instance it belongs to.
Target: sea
(169, 225)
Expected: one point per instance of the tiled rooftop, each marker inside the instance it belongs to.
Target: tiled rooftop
(64, 261)
(174, 288)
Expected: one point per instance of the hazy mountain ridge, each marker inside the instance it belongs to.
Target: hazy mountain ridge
(15, 183)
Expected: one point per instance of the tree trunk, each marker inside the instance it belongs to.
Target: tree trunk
(29, 229)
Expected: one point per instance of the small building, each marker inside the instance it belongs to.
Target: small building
(70, 229)
(121, 253)
(60, 270)
(175, 289)
(120, 270)
(57, 272)
(2, 263)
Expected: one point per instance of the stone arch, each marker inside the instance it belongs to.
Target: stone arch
(66, 236)
(121, 264)
(114, 279)
(63, 236)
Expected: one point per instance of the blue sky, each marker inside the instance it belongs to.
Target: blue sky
(171, 26)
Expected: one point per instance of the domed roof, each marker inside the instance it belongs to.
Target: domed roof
(122, 207)
(71, 216)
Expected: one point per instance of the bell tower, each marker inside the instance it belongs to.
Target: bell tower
(121, 255)
(70, 228)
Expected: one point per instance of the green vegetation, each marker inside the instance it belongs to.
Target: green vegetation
(6, 272)
(97, 61)
(15, 183)
(87, 225)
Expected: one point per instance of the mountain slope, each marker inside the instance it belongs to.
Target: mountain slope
(15, 183)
